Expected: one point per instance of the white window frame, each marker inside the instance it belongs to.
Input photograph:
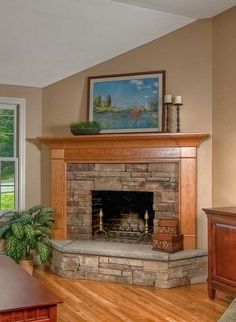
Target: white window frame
(20, 172)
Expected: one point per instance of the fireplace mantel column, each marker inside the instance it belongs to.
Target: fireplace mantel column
(58, 192)
(188, 199)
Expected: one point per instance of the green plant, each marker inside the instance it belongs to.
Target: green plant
(89, 127)
(7, 201)
(26, 231)
(85, 125)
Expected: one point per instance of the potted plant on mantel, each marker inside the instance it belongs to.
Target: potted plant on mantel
(88, 127)
(27, 232)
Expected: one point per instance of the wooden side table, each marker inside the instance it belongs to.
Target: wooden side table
(22, 297)
(221, 250)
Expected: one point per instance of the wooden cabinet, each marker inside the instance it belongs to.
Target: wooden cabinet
(221, 250)
(22, 297)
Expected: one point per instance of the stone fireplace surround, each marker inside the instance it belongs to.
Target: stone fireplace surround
(160, 178)
(88, 259)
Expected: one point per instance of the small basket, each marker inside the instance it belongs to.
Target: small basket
(167, 243)
(168, 226)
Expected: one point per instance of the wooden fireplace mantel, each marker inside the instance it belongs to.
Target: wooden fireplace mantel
(134, 139)
(128, 148)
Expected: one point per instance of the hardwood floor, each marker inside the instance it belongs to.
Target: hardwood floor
(92, 301)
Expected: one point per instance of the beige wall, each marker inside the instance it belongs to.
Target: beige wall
(224, 109)
(186, 55)
(33, 98)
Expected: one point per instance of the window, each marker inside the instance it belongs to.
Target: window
(12, 142)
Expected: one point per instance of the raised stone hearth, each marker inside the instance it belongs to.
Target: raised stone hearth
(128, 264)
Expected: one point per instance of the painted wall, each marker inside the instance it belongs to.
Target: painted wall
(224, 109)
(186, 55)
(33, 98)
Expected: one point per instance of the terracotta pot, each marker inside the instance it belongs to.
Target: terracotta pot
(2, 245)
(27, 265)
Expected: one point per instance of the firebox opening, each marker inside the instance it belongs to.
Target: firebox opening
(123, 213)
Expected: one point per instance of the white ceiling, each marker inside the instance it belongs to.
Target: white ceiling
(197, 9)
(44, 41)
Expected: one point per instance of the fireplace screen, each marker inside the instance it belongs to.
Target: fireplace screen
(124, 214)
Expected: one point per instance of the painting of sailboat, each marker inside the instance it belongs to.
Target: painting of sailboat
(127, 103)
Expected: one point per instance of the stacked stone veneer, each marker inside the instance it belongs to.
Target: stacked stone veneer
(160, 178)
(164, 271)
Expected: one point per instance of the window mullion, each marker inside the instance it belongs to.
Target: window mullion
(15, 132)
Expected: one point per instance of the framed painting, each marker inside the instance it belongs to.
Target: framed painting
(127, 102)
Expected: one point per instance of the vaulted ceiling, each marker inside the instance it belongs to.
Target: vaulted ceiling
(44, 41)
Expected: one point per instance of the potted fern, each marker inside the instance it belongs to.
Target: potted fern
(26, 232)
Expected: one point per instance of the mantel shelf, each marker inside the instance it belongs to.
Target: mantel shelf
(127, 140)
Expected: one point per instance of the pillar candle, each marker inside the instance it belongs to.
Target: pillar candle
(178, 100)
(168, 99)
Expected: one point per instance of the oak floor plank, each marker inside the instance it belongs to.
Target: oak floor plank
(92, 301)
(125, 302)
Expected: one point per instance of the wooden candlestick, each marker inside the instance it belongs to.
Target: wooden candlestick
(178, 117)
(167, 106)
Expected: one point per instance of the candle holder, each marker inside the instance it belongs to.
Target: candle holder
(178, 116)
(146, 235)
(101, 230)
(168, 123)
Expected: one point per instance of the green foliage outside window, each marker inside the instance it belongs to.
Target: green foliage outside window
(7, 167)
(7, 201)
(6, 132)
(7, 170)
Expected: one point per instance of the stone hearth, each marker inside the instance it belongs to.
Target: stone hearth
(128, 264)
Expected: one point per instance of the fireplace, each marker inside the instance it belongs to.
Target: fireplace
(123, 191)
(123, 162)
(90, 174)
(123, 215)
